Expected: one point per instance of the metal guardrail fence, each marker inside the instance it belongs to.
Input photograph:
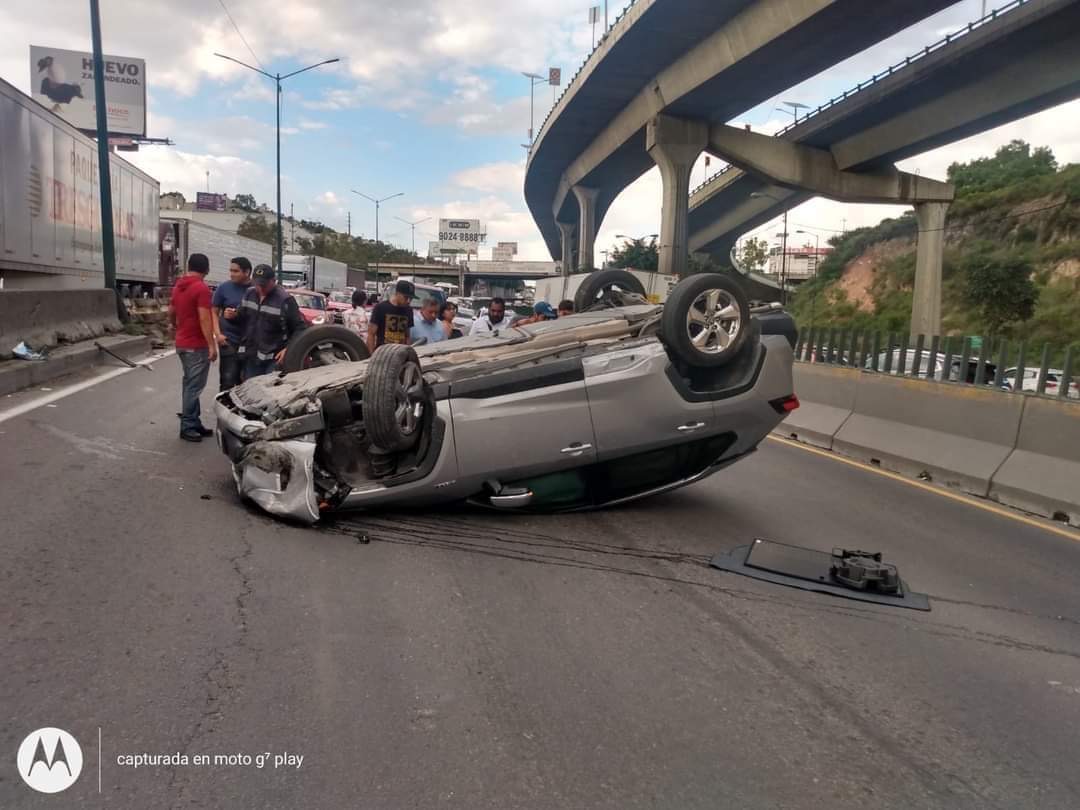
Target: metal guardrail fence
(973, 360)
(865, 85)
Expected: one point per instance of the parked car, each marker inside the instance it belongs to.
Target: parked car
(623, 400)
(959, 369)
(338, 303)
(1054, 376)
(312, 306)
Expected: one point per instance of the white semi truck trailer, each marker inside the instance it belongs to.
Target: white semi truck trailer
(50, 219)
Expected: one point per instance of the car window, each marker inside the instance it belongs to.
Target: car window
(309, 300)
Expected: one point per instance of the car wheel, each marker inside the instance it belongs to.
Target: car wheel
(324, 346)
(394, 398)
(706, 320)
(595, 286)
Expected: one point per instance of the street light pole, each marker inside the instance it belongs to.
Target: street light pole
(534, 80)
(378, 202)
(412, 227)
(783, 244)
(278, 78)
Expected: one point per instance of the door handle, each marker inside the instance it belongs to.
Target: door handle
(576, 449)
(690, 426)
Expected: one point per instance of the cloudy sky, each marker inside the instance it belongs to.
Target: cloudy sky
(427, 100)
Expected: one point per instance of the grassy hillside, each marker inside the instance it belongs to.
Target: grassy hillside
(1011, 264)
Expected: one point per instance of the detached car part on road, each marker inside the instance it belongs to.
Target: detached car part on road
(619, 401)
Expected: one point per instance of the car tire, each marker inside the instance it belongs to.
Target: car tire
(311, 347)
(706, 320)
(596, 284)
(394, 398)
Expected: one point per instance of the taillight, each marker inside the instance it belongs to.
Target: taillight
(785, 404)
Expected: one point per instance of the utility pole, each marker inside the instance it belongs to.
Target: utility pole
(783, 265)
(207, 181)
(108, 245)
(348, 223)
(292, 230)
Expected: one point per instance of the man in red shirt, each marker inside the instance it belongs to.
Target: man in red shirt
(189, 312)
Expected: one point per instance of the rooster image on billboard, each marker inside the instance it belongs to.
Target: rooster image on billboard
(461, 235)
(64, 82)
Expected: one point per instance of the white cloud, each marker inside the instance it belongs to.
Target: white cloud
(312, 125)
(185, 172)
(501, 178)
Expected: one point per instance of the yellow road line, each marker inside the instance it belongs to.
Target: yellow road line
(986, 506)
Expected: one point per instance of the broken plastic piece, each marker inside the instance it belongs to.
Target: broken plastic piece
(24, 352)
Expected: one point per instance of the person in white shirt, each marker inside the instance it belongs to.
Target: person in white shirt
(356, 318)
(493, 320)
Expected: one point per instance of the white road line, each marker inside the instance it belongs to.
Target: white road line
(67, 391)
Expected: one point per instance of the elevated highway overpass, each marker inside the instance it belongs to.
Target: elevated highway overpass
(1007, 66)
(1002, 68)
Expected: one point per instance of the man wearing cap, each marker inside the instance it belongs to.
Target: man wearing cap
(392, 320)
(268, 318)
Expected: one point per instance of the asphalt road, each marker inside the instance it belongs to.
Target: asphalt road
(464, 659)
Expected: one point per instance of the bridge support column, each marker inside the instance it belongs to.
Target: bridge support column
(926, 305)
(674, 144)
(586, 233)
(566, 231)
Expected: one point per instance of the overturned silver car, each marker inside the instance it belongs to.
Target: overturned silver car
(622, 400)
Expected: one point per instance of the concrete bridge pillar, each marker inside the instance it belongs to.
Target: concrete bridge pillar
(566, 231)
(586, 233)
(926, 305)
(674, 144)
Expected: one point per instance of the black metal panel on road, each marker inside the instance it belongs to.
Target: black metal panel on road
(807, 569)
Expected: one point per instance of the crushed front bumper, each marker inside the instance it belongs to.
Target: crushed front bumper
(275, 473)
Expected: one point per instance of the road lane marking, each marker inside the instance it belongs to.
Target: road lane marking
(986, 506)
(67, 391)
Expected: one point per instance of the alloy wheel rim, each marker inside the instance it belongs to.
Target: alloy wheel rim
(713, 321)
(409, 398)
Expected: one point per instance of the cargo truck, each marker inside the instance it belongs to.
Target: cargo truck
(50, 218)
(313, 273)
(179, 238)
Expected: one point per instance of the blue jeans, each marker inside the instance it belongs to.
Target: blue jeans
(254, 367)
(196, 366)
(231, 366)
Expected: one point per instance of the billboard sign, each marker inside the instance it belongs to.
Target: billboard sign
(504, 252)
(205, 201)
(64, 82)
(461, 235)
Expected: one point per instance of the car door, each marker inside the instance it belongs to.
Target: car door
(518, 423)
(635, 407)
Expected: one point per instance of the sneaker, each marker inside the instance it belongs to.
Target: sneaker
(191, 435)
(205, 431)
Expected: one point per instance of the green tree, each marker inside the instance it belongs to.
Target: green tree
(753, 253)
(1011, 164)
(638, 254)
(999, 287)
(245, 202)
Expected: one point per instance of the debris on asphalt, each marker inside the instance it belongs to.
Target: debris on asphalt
(851, 574)
(24, 352)
(111, 353)
(205, 497)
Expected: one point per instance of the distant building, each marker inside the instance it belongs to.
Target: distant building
(802, 262)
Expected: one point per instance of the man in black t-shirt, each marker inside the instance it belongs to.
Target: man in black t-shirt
(391, 320)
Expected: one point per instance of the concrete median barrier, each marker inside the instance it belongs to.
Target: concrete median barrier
(46, 318)
(1042, 475)
(957, 435)
(826, 399)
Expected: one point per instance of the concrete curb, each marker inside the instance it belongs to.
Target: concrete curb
(1042, 475)
(16, 375)
(826, 399)
(45, 318)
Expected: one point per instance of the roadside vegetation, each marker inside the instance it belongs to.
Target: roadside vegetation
(1011, 264)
